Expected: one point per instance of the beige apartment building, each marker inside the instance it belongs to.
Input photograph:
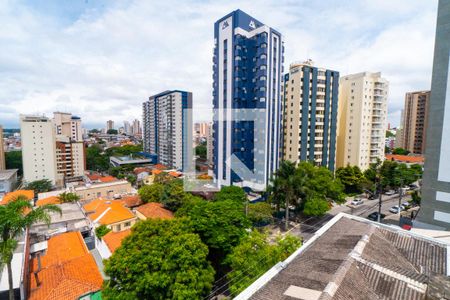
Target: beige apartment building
(362, 119)
(2, 151)
(68, 125)
(310, 97)
(414, 121)
(38, 149)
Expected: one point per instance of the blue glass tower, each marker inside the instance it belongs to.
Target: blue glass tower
(247, 73)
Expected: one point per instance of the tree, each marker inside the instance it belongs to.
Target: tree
(161, 259)
(39, 186)
(173, 196)
(68, 197)
(163, 178)
(255, 255)
(400, 151)
(151, 193)
(13, 160)
(15, 217)
(220, 224)
(416, 198)
(260, 213)
(112, 131)
(316, 206)
(95, 160)
(131, 179)
(389, 134)
(200, 151)
(101, 231)
(232, 192)
(352, 178)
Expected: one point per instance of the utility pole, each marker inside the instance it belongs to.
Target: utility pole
(286, 225)
(400, 202)
(380, 190)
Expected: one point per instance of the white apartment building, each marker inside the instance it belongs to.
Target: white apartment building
(362, 119)
(2, 151)
(38, 149)
(209, 143)
(68, 125)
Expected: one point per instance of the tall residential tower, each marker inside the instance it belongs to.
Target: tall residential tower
(167, 119)
(2, 151)
(362, 119)
(247, 75)
(310, 114)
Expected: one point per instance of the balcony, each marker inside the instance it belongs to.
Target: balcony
(261, 62)
(260, 51)
(262, 38)
(260, 73)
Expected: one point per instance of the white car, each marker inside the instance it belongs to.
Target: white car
(395, 209)
(390, 193)
(357, 201)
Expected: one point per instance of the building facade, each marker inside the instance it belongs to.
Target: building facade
(68, 125)
(136, 128)
(109, 125)
(167, 119)
(209, 144)
(310, 114)
(362, 119)
(415, 121)
(2, 151)
(435, 205)
(70, 157)
(247, 75)
(38, 149)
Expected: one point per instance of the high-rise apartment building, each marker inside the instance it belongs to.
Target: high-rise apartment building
(209, 144)
(435, 205)
(127, 127)
(109, 125)
(2, 151)
(68, 125)
(136, 128)
(310, 114)
(414, 121)
(38, 149)
(247, 75)
(362, 119)
(167, 119)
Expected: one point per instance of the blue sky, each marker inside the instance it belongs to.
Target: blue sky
(102, 59)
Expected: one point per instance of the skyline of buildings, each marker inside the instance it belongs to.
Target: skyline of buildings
(2, 151)
(166, 134)
(362, 119)
(247, 74)
(310, 114)
(414, 121)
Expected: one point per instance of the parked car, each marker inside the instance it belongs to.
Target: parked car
(374, 216)
(396, 209)
(406, 205)
(390, 193)
(413, 186)
(357, 201)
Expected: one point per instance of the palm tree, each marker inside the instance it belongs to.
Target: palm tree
(15, 217)
(68, 197)
(287, 185)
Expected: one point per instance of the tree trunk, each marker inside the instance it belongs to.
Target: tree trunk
(10, 281)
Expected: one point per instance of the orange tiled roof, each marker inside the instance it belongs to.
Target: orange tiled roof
(175, 174)
(156, 171)
(94, 177)
(48, 200)
(160, 167)
(140, 170)
(29, 194)
(131, 201)
(108, 179)
(114, 239)
(68, 270)
(405, 158)
(116, 211)
(154, 210)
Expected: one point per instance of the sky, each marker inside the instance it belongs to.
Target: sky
(100, 59)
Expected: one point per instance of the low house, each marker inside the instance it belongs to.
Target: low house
(8, 181)
(354, 258)
(110, 242)
(406, 159)
(153, 210)
(111, 213)
(131, 201)
(27, 194)
(62, 268)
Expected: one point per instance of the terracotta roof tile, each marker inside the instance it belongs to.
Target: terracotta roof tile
(156, 171)
(160, 167)
(68, 270)
(114, 210)
(175, 174)
(114, 239)
(131, 201)
(108, 179)
(48, 200)
(405, 158)
(155, 210)
(29, 194)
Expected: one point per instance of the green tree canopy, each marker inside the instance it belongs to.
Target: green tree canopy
(95, 160)
(39, 186)
(101, 231)
(232, 192)
(316, 206)
(13, 160)
(400, 151)
(112, 131)
(151, 193)
(352, 178)
(255, 255)
(260, 213)
(161, 259)
(200, 151)
(68, 197)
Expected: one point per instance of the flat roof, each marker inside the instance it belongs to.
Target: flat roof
(7, 174)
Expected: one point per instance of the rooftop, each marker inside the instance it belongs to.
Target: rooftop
(48, 200)
(7, 174)
(354, 258)
(154, 210)
(68, 270)
(29, 194)
(114, 239)
(107, 212)
(406, 158)
(131, 201)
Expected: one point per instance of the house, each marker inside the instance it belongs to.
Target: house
(111, 213)
(27, 194)
(406, 159)
(62, 269)
(131, 201)
(113, 240)
(8, 180)
(354, 258)
(49, 200)
(153, 210)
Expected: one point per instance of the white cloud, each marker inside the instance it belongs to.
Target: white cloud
(103, 61)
